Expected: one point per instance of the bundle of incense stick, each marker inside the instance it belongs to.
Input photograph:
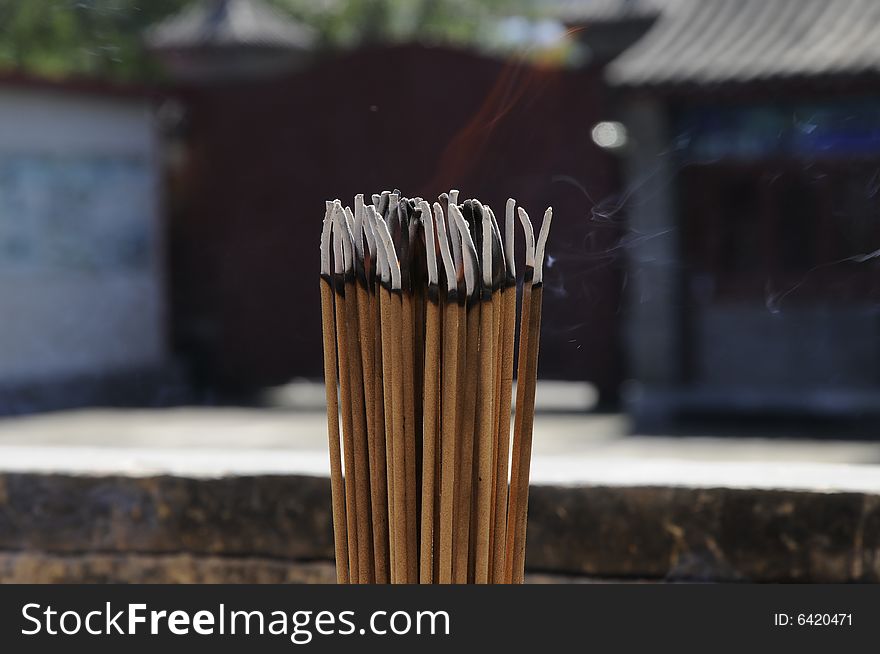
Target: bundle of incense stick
(418, 310)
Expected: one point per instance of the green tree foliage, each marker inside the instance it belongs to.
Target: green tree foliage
(104, 37)
(352, 22)
(86, 37)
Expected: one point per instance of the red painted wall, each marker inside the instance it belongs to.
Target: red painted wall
(263, 157)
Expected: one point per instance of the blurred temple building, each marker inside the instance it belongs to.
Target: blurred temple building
(754, 168)
(714, 168)
(602, 29)
(81, 257)
(219, 40)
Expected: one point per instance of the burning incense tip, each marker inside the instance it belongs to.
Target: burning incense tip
(542, 244)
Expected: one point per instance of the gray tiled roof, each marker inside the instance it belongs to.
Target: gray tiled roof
(714, 41)
(229, 23)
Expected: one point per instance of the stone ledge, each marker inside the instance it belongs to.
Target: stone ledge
(100, 568)
(710, 534)
(714, 534)
(269, 516)
(42, 568)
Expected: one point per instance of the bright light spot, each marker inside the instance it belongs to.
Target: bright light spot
(609, 134)
(548, 33)
(521, 32)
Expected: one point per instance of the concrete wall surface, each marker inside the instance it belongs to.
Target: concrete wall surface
(80, 235)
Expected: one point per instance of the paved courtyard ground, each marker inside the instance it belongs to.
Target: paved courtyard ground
(570, 446)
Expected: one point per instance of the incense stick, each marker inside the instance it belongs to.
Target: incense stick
(508, 325)
(449, 403)
(367, 350)
(337, 488)
(498, 473)
(485, 409)
(359, 422)
(525, 400)
(407, 328)
(466, 424)
(497, 287)
(431, 397)
(515, 495)
(378, 476)
(464, 421)
(341, 271)
(386, 329)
